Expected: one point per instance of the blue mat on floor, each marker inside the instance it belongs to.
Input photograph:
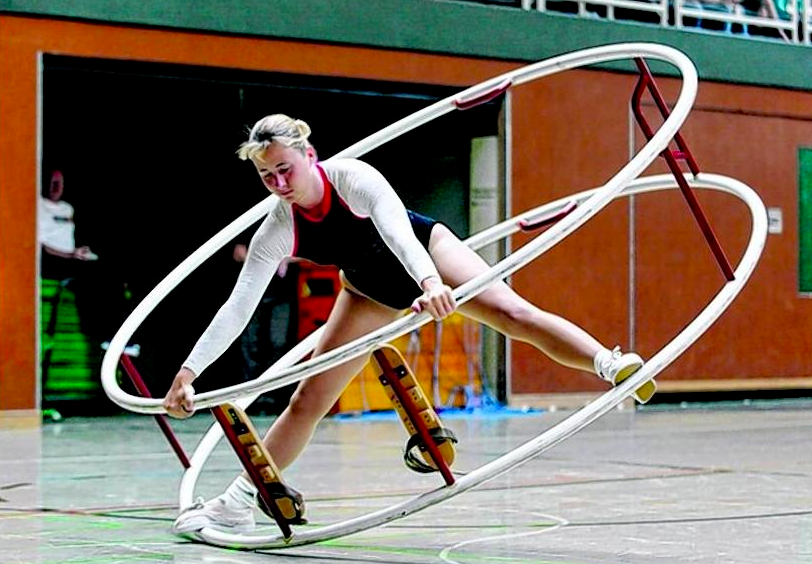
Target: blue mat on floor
(490, 412)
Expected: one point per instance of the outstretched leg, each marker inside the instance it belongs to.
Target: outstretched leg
(513, 316)
(501, 308)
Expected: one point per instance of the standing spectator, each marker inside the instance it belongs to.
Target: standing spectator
(100, 296)
(60, 255)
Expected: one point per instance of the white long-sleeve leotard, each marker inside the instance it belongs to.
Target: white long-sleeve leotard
(367, 194)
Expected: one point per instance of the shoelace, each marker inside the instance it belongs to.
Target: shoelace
(607, 363)
(198, 504)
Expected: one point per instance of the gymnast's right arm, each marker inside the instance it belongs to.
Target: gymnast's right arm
(268, 247)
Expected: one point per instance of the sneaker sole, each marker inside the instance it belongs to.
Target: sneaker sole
(645, 392)
(239, 529)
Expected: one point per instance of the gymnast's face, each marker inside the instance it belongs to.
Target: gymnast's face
(289, 173)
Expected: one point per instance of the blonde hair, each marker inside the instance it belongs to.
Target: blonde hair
(277, 128)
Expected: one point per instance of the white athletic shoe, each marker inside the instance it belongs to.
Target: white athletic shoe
(215, 514)
(619, 366)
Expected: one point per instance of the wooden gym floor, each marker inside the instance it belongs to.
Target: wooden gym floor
(726, 484)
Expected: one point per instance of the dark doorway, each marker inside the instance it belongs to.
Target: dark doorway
(148, 152)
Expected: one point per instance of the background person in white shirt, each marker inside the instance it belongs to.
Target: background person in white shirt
(100, 299)
(57, 229)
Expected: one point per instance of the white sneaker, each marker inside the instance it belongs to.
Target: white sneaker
(215, 514)
(618, 366)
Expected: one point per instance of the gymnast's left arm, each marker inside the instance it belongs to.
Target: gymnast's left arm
(375, 197)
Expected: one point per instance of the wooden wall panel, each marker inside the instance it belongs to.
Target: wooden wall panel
(749, 133)
(752, 135)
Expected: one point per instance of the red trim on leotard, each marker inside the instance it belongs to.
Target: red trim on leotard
(295, 233)
(319, 211)
(347, 207)
(340, 199)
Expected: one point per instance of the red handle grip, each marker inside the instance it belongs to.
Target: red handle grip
(487, 96)
(546, 220)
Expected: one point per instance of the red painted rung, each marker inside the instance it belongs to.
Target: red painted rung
(646, 82)
(141, 386)
(420, 425)
(218, 411)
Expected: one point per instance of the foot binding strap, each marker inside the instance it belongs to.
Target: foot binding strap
(280, 502)
(428, 439)
(416, 445)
